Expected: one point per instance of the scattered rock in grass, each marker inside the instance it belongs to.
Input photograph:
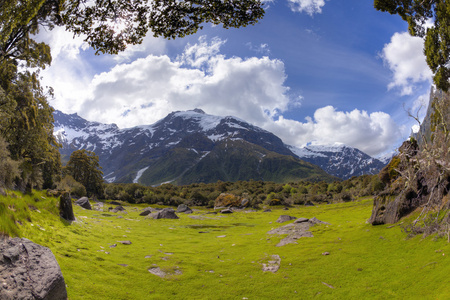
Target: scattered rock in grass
(98, 206)
(295, 231)
(123, 265)
(65, 207)
(285, 218)
(84, 203)
(183, 208)
(146, 211)
(267, 210)
(148, 256)
(315, 221)
(2, 192)
(285, 208)
(117, 209)
(166, 213)
(221, 236)
(124, 242)
(272, 265)
(309, 203)
(328, 285)
(301, 220)
(158, 272)
(326, 253)
(226, 211)
(113, 246)
(29, 271)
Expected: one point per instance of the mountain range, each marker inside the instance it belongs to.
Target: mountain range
(192, 146)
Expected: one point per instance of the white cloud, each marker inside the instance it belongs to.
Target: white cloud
(371, 133)
(309, 6)
(62, 43)
(404, 56)
(147, 89)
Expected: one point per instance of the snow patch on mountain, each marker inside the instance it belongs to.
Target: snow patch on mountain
(139, 174)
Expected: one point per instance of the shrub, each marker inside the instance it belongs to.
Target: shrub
(72, 186)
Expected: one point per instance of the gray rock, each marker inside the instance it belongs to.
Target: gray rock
(285, 218)
(267, 210)
(182, 208)
(29, 271)
(315, 221)
(146, 211)
(245, 202)
(301, 220)
(166, 213)
(226, 211)
(65, 207)
(272, 265)
(124, 242)
(84, 203)
(117, 209)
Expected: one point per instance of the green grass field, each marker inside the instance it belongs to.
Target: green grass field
(220, 256)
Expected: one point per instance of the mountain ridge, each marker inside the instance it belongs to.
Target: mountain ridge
(131, 154)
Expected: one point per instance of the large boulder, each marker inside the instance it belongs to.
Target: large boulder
(65, 207)
(84, 203)
(29, 271)
(401, 196)
(183, 208)
(166, 213)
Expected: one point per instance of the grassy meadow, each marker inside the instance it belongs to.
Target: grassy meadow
(208, 256)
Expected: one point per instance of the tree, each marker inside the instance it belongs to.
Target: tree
(84, 167)
(437, 38)
(26, 124)
(109, 25)
(9, 169)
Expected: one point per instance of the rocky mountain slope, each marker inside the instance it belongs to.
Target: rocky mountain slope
(340, 160)
(192, 146)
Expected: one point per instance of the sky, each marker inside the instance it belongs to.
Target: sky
(311, 72)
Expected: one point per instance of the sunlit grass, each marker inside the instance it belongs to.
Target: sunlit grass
(225, 260)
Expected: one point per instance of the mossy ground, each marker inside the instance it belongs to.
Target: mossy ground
(225, 260)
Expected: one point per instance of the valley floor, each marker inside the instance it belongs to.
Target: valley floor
(207, 256)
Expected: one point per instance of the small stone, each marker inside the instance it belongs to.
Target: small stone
(326, 253)
(124, 242)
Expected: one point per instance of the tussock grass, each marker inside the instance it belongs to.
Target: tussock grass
(225, 260)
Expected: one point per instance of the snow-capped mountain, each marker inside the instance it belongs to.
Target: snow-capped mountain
(339, 160)
(191, 146)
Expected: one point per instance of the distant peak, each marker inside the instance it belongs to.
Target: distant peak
(198, 110)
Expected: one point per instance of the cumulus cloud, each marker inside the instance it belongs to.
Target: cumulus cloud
(404, 56)
(147, 89)
(311, 7)
(371, 133)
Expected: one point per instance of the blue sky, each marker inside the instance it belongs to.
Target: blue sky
(311, 71)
